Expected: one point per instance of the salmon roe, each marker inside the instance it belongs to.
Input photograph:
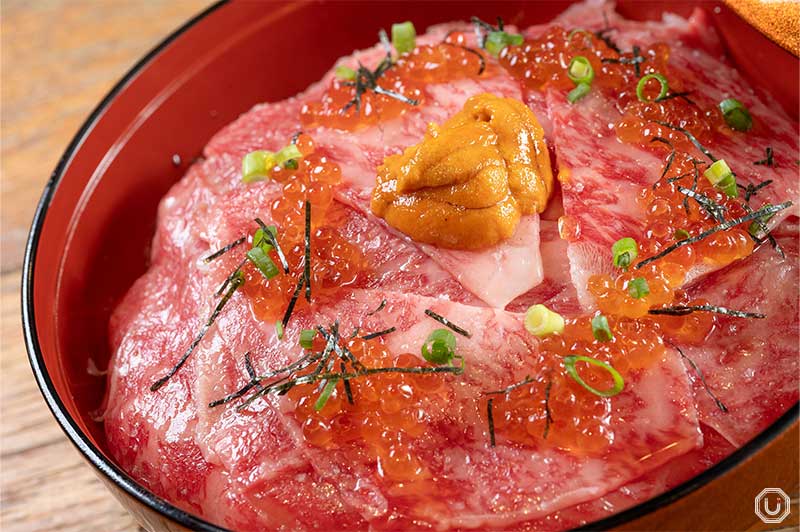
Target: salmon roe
(543, 61)
(424, 64)
(669, 217)
(580, 421)
(335, 262)
(389, 411)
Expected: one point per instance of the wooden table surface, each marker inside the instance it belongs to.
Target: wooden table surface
(59, 58)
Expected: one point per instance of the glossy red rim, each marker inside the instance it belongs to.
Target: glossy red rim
(131, 487)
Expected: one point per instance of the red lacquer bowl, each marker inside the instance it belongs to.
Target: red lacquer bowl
(90, 236)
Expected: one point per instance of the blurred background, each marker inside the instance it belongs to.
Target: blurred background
(58, 59)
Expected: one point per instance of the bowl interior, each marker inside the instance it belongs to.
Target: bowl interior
(91, 238)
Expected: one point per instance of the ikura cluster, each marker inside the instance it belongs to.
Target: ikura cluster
(671, 216)
(353, 102)
(389, 411)
(335, 263)
(639, 123)
(544, 61)
(580, 421)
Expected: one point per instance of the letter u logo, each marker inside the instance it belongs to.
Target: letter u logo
(769, 511)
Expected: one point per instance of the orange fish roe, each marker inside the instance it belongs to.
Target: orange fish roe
(335, 263)
(389, 411)
(542, 62)
(436, 63)
(669, 217)
(581, 422)
(638, 123)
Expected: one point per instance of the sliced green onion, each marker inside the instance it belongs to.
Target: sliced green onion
(619, 382)
(262, 261)
(288, 153)
(600, 329)
(496, 41)
(345, 73)
(720, 175)
(638, 288)
(291, 164)
(755, 228)
(643, 83)
(624, 252)
(257, 165)
(307, 338)
(279, 329)
(541, 321)
(261, 241)
(325, 394)
(580, 70)
(576, 31)
(440, 347)
(404, 37)
(580, 90)
(681, 234)
(736, 114)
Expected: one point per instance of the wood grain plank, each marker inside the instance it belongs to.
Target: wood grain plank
(59, 58)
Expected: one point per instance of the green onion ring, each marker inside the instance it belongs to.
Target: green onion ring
(325, 394)
(580, 70)
(643, 82)
(580, 90)
(619, 382)
(440, 347)
(736, 114)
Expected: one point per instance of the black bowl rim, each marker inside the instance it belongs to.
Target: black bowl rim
(131, 487)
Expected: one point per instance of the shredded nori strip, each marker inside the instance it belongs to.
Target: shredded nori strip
(508, 389)
(323, 372)
(230, 277)
(636, 60)
(768, 160)
(344, 353)
(707, 388)
(347, 390)
(682, 95)
(447, 323)
(603, 36)
(670, 158)
(367, 79)
(691, 138)
(714, 209)
(490, 418)
(234, 285)
(455, 370)
(274, 242)
(479, 26)
(380, 308)
(220, 252)
(252, 383)
(763, 211)
(307, 255)
(293, 301)
(683, 310)
(762, 226)
(370, 336)
(751, 190)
